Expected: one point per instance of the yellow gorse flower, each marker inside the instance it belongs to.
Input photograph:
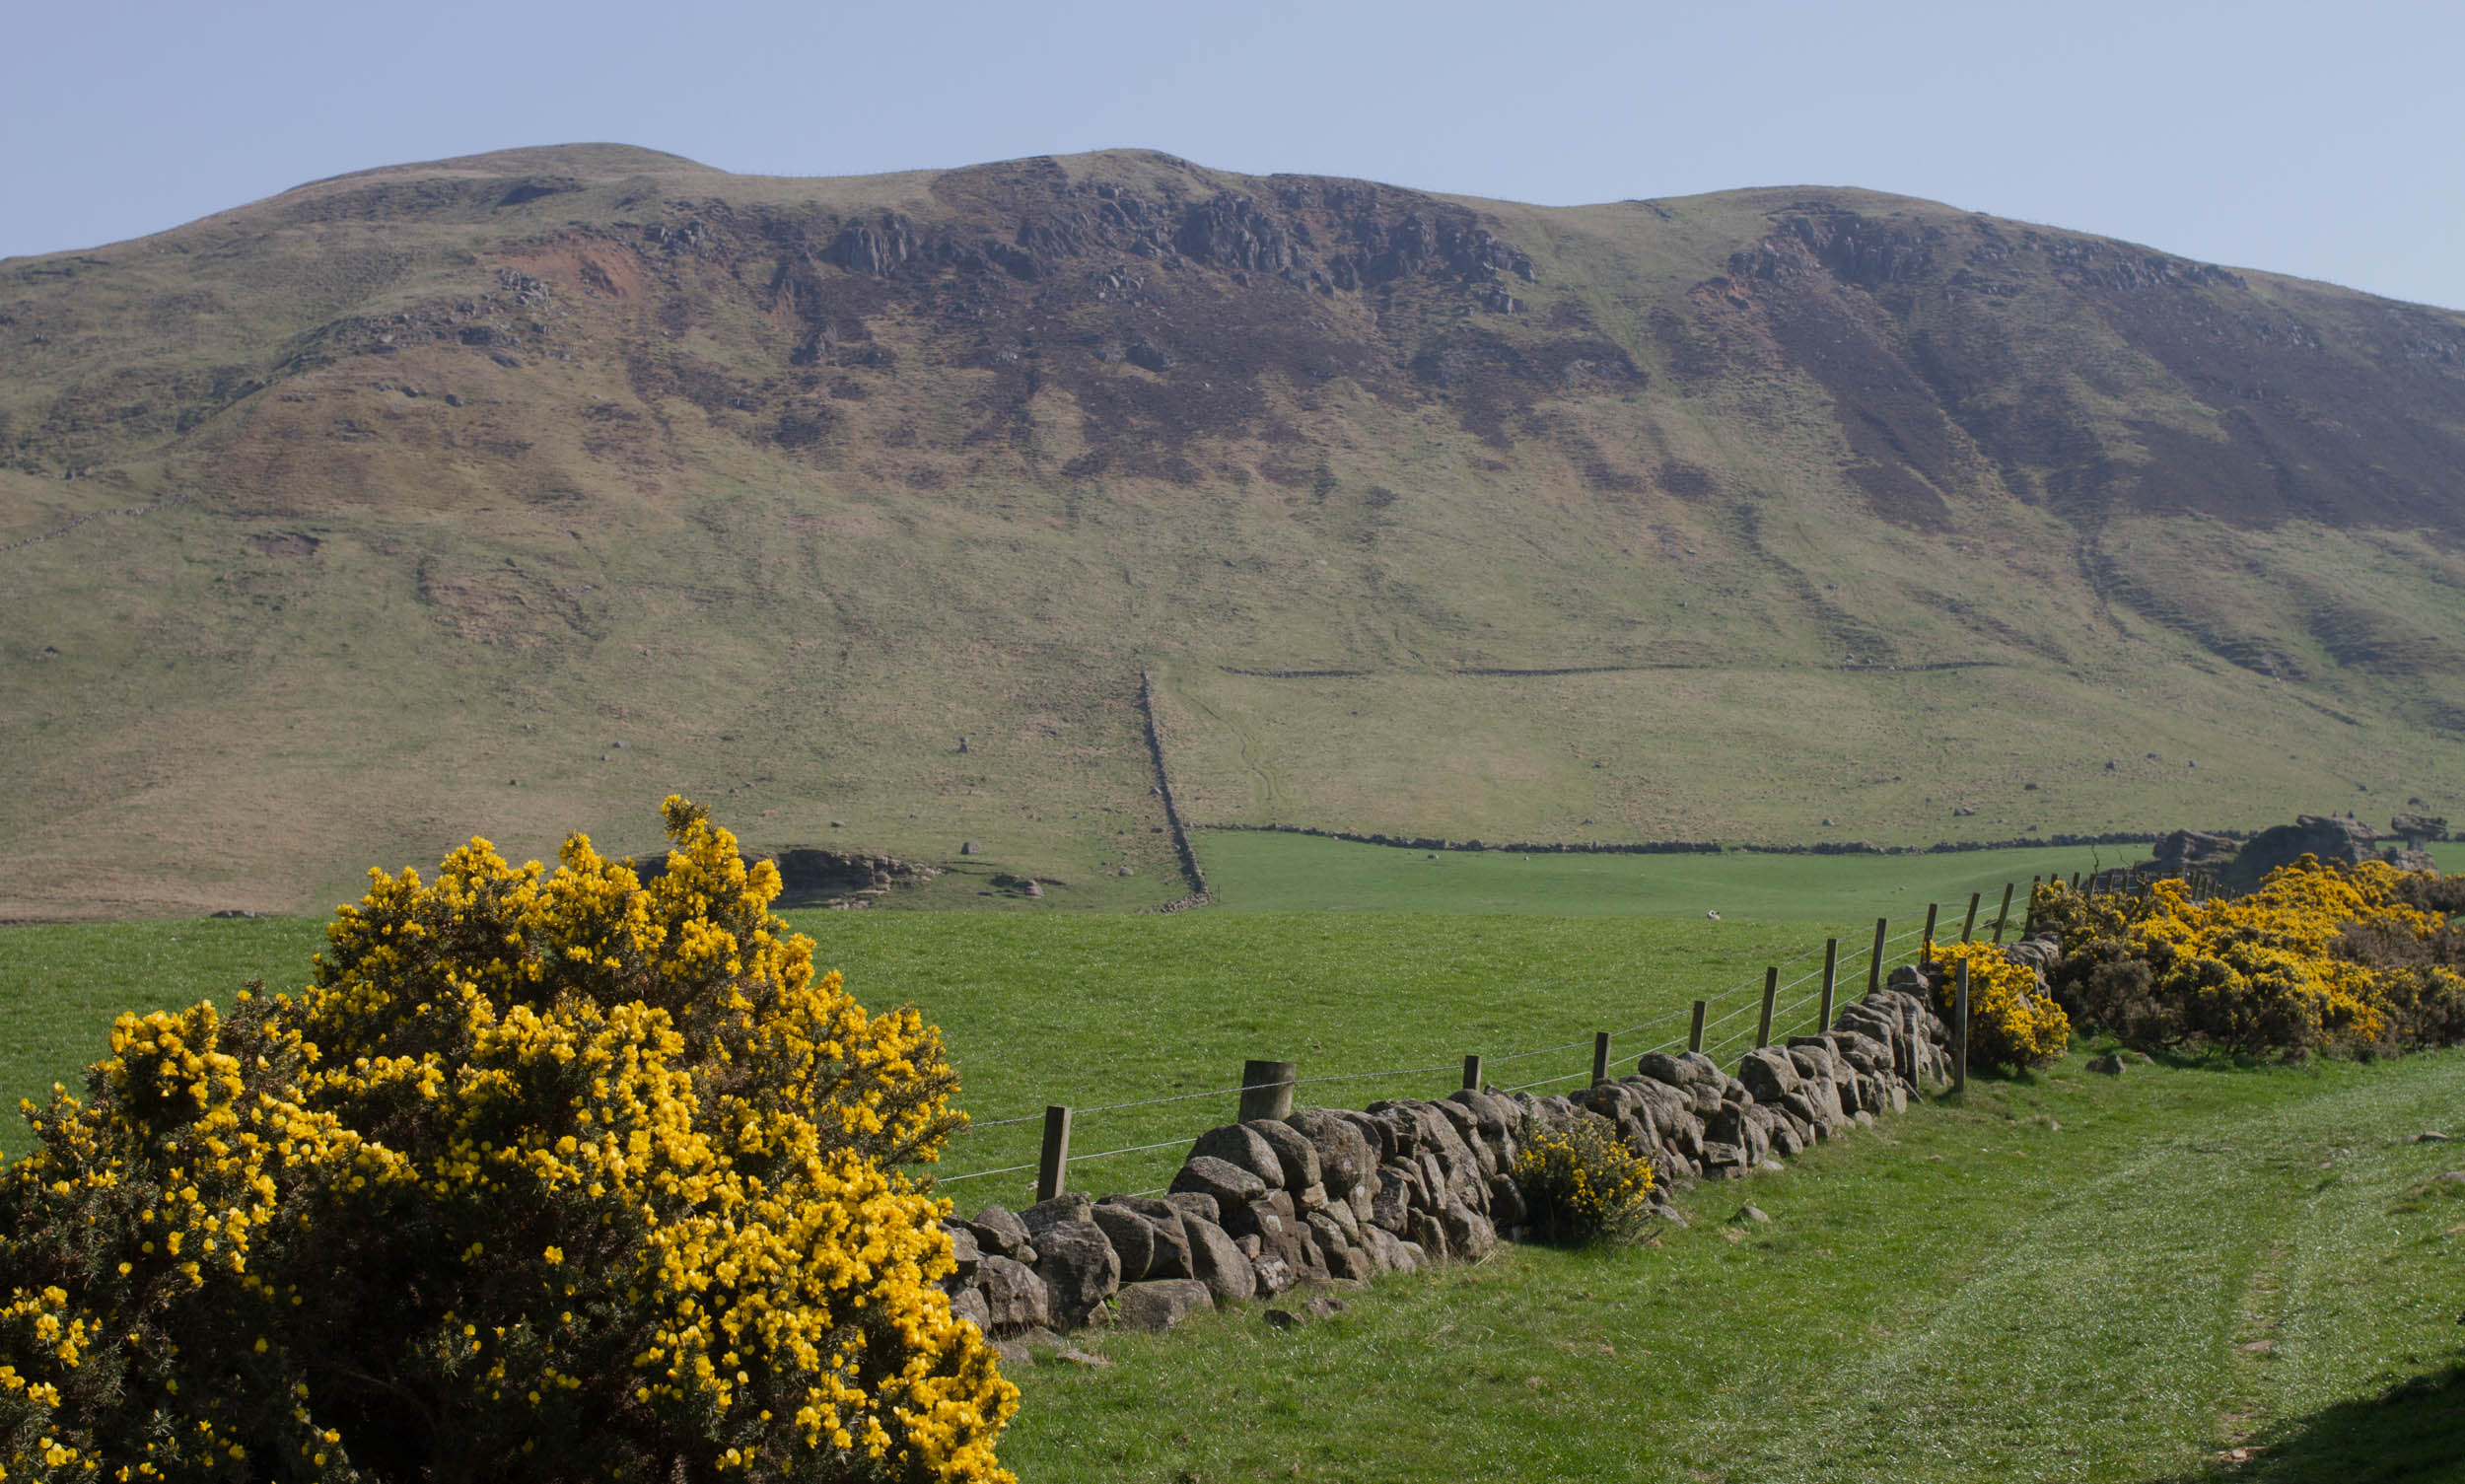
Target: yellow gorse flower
(573, 1157)
(1580, 1183)
(2010, 1023)
(2311, 959)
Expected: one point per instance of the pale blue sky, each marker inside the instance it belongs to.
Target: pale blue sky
(2317, 139)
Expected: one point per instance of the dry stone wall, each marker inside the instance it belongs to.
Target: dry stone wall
(1333, 1196)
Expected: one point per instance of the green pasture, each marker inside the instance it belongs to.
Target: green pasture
(1259, 870)
(1405, 965)
(1089, 1010)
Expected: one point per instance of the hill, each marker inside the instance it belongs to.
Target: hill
(516, 490)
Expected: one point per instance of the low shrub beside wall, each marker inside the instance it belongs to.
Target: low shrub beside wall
(2014, 1020)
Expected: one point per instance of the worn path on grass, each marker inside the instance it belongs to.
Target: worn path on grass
(2064, 1278)
(2213, 1285)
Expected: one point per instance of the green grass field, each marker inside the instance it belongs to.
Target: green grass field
(1403, 964)
(1495, 956)
(1262, 872)
(2061, 1277)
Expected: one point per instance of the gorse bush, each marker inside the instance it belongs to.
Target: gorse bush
(2010, 1023)
(1581, 1184)
(2321, 956)
(546, 1175)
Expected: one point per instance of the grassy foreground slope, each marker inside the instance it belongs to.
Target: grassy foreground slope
(516, 491)
(2067, 1278)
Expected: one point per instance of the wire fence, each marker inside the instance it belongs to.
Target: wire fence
(1734, 1023)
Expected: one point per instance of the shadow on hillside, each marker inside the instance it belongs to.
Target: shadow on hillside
(2412, 1432)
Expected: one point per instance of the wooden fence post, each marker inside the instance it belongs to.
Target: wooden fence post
(1472, 1074)
(1053, 1165)
(1926, 942)
(1694, 1032)
(2028, 919)
(1267, 1090)
(1771, 991)
(1960, 1032)
(1601, 1057)
(2003, 916)
(1831, 976)
(1968, 924)
(1874, 966)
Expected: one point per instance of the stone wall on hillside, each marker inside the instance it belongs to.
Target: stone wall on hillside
(1333, 1195)
(1691, 847)
(1191, 871)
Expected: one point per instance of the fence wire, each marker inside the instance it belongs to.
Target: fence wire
(1492, 1060)
(1131, 1149)
(978, 1174)
(1547, 1081)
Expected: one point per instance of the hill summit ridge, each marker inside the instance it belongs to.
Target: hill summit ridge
(1690, 517)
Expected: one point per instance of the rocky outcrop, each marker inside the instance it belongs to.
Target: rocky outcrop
(2417, 829)
(2338, 838)
(2188, 850)
(809, 876)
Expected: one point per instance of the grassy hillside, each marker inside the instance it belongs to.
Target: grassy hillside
(352, 522)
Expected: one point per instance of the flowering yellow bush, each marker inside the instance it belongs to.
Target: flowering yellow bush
(1581, 1184)
(2320, 955)
(545, 1175)
(2011, 1024)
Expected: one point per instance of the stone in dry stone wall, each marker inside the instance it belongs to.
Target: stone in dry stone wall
(999, 1230)
(1079, 1270)
(1227, 1184)
(1346, 1156)
(969, 1304)
(1015, 1296)
(1240, 1147)
(1167, 1233)
(1295, 1157)
(1043, 1215)
(1164, 1302)
(1132, 1238)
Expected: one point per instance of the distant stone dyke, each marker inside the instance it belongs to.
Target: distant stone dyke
(1191, 871)
(1706, 847)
